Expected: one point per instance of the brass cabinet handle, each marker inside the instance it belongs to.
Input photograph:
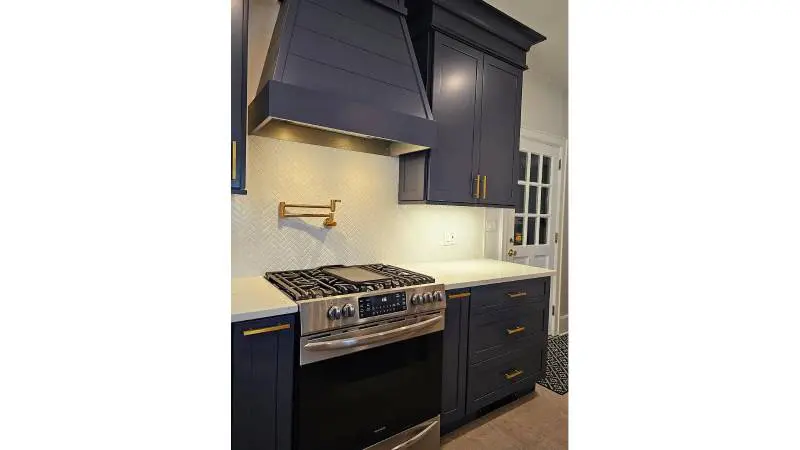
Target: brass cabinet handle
(283, 326)
(484, 186)
(459, 295)
(515, 330)
(233, 169)
(514, 374)
(517, 294)
(477, 193)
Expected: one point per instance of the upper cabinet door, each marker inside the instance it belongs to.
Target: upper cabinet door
(499, 132)
(239, 12)
(457, 78)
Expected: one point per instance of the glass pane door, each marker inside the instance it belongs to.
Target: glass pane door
(532, 213)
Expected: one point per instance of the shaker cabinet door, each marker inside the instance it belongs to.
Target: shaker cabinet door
(262, 368)
(499, 132)
(456, 107)
(454, 357)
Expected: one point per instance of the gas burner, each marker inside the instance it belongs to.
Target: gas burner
(328, 281)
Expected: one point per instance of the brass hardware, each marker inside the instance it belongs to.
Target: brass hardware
(514, 374)
(484, 186)
(460, 295)
(328, 222)
(517, 294)
(515, 330)
(283, 326)
(233, 172)
(512, 252)
(477, 193)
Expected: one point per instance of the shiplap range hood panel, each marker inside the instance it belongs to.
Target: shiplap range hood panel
(342, 73)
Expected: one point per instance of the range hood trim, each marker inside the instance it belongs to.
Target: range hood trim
(321, 110)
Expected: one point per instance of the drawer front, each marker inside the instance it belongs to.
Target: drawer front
(499, 330)
(496, 378)
(502, 295)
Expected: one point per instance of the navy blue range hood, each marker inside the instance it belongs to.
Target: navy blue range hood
(342, 73)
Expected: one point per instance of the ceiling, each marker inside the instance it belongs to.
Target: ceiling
(548, 17)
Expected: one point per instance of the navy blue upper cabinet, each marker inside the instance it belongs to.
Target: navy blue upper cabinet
(457, 111)
(499, 132)
(239, 11)
(471, 57)
(262, 367)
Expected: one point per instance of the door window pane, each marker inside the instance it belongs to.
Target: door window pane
(520, 208)
(518, 224)
(523, 165)
(534, 167)
(531, 231)
(542, 230)
(544, 203)
(532, 200)
(546, 170)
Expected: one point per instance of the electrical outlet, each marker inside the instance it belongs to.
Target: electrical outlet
(449, 238)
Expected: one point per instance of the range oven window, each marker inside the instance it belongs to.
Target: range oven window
(359, 399)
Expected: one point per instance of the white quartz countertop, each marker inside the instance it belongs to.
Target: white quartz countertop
(476, 272)
(256, 298)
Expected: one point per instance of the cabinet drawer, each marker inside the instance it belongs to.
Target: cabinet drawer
(485, 298)
(497, 331)
(498, 377)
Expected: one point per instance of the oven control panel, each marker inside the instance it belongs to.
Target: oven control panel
(381, 304)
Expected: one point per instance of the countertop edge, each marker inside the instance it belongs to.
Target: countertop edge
(483, 282)
(263, 314)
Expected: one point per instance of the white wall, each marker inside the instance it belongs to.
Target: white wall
(544, 104)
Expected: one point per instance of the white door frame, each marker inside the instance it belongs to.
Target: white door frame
(508, 220)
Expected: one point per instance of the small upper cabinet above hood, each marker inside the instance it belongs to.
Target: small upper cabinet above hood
(342, 73)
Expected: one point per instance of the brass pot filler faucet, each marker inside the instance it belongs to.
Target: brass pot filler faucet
(328, 222)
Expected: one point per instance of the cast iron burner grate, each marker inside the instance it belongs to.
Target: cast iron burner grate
(314, 283)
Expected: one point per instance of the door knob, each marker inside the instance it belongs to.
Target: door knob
(512, 252)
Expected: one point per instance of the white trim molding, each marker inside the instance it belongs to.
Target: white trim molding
(543, 136)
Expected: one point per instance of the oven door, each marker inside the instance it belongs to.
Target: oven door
(367, 384)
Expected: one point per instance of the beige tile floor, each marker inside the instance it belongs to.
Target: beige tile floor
(535, 421)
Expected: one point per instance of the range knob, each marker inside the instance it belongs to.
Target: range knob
(428, 297)
(416, 299)
(438, 296)
(348, 310)
(334, 313)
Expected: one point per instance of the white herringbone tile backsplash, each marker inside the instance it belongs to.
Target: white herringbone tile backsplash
(371, 225)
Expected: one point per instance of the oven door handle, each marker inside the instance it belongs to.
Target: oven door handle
(370, 338)
(417, 437)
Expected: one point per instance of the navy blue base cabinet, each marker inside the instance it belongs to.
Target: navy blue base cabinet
(454, 358)
(471, 57)
(495, 347)
(507, 340)
(262, 368)
(239, 12)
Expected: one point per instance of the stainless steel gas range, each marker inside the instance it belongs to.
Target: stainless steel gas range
(370, 357)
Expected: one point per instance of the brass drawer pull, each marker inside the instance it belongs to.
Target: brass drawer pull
(283, 326)
(484, 186)
(459, 295)
(233, 158)
(515, 330)
(477, 193)
(514, 374)
(517, 294)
